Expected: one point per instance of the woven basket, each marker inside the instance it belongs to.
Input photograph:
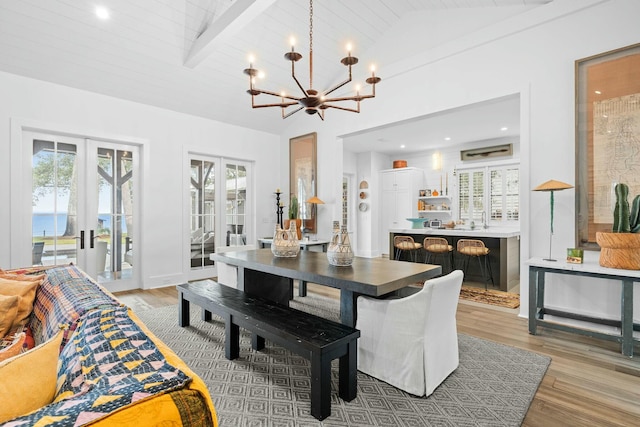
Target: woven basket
(399, 164)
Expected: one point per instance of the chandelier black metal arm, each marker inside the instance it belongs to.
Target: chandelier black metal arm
(311, 102)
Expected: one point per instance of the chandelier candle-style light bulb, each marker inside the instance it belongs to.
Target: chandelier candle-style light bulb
(311, 101)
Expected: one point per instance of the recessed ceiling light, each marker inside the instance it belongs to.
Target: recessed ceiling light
(447, 139)
(402, 146)
(102, 12)
(503, 128)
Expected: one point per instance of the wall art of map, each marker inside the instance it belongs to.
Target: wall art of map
(616, 149)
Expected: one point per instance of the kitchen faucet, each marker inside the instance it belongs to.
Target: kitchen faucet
(484, 220)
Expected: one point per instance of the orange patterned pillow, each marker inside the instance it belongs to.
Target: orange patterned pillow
(14, 348)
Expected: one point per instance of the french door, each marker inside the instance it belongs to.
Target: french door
(83, 206)
(221, 212)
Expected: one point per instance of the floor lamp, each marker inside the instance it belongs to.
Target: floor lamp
(315, 201)
(551, 186)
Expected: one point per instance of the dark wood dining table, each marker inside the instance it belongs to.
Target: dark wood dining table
(262, 274)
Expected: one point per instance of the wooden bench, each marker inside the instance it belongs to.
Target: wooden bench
(317, 339)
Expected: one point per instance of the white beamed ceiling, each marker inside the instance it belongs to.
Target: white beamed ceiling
(139, 53)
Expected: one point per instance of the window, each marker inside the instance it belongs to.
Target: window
(471, 200)
(492, 191)
(505, 195)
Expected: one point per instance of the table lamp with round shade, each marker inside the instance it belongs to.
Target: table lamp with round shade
(315, 201)
(551, 186)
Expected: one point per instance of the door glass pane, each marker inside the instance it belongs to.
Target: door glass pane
(54, 196)
(235, 208)
(114, 224)
(202, 194)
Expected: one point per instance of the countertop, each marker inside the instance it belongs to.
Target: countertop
(496, 232)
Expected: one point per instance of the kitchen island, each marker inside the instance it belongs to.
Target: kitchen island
(503, 242)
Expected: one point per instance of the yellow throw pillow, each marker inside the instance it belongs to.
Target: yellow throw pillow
(29, 379)
(8, 313)
(27, 293)
(14, 348)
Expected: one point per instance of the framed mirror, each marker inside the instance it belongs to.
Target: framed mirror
(607, 137)
(303, 177)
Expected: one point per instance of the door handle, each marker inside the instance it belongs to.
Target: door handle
(91, 239)
(81, 237)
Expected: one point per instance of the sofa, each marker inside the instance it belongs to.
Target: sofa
(86, 359)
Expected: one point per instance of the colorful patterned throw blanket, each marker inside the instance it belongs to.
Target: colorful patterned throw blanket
(109, 363)
(65, 295)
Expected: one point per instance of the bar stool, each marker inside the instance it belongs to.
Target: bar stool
(471, 248)
(406, 243)
(438, 246)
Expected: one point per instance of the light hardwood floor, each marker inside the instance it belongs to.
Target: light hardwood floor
(588, 383)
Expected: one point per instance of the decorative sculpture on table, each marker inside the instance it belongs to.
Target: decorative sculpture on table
(339, 252)
(285, 242)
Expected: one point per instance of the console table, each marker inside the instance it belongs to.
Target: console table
(537, 270)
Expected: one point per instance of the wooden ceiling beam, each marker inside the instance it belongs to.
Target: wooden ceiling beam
(240, 14)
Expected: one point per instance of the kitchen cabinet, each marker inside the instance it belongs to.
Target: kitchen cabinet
(399, 199)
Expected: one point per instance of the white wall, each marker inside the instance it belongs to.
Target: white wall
(168, 135)
(532, 54)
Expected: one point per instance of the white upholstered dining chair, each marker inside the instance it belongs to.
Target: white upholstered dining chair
(228, 274)
(411, 342)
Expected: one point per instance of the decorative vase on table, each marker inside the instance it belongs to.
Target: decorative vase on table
(285, 242)
(339, 252)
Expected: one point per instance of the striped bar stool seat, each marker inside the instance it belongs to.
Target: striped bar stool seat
(438, 247)
(471, 248)
(406, 243)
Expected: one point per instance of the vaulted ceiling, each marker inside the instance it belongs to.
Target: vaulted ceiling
(188, 55)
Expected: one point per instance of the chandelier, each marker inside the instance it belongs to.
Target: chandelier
(312, 101)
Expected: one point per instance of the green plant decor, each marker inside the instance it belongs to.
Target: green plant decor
(626, 220)
(293, 208)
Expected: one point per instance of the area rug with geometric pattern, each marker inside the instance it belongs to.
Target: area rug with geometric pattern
(493, 385)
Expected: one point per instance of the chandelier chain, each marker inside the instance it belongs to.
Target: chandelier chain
(310, 44)
(310, 24)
